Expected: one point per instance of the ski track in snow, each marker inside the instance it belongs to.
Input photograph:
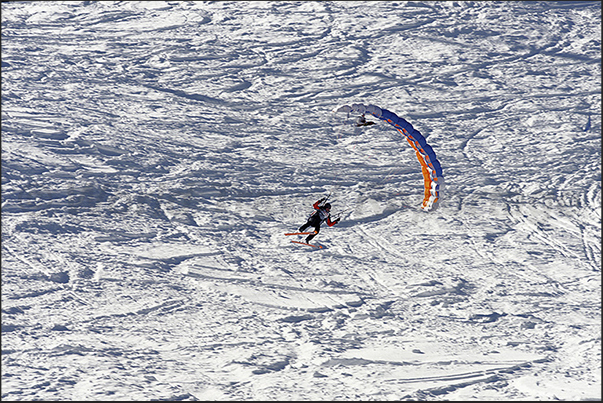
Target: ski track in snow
(154, 153)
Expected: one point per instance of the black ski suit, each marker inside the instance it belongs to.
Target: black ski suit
(320, 215)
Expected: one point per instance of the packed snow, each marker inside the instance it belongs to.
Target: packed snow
(155, 153)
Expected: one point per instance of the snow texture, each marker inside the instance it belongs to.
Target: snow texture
(154, 154)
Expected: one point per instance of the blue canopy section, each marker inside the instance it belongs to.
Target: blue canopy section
(401, 123)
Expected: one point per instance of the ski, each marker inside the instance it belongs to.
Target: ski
(301, 233)
(309, 244)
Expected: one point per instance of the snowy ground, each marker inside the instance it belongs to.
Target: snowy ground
(154, 153)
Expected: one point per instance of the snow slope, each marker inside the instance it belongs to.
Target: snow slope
(154, 153)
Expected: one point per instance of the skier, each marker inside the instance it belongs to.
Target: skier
(360, 120)
(318, 216)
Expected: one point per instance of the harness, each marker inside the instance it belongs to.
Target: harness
(322, 215)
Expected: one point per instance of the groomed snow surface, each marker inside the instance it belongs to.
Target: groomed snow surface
(154, 154)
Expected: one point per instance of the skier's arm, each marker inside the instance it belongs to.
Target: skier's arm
(316, 205)
(331, 223)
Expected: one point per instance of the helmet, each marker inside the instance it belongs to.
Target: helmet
(327, 206)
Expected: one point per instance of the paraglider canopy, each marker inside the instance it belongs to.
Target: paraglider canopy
(432, 170)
